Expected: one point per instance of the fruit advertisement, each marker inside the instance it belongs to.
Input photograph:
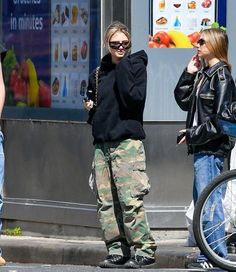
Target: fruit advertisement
(47, 63)
(26, 67)
(177, 23)
(70, 25)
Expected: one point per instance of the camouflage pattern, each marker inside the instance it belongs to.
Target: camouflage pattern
(122, 182)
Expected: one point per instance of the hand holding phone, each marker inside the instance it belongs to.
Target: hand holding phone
(180, 137)
(197, 62)
(86, 99)
(194, 64)
(88, 104)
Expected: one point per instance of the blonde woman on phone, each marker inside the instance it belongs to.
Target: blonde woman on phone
(202, 92)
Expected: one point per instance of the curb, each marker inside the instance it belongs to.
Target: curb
(170, 254)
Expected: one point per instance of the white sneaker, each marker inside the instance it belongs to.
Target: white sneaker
(202, 264)
(2, 261)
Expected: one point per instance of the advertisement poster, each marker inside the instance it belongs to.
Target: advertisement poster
(26, 35)
(177, 23)
(70, 36)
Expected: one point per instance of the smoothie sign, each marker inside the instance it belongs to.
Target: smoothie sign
(26, 66)
(177, 23)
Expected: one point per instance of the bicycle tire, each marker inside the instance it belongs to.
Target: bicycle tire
(198, 225)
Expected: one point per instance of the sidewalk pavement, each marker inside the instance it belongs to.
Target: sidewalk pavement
(171, 253)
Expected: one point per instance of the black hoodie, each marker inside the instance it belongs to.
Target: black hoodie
(120, 100)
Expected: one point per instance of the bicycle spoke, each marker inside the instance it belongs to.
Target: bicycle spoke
(214, 224)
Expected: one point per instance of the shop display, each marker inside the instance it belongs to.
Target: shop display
(49, 55)
(70, 52)
(180, 18)
(26, 66)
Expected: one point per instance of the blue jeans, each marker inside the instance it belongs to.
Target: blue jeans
(206, 168)
(2, 160)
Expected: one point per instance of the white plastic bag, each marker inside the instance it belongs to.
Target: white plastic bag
(189, 221)
(92, 179)
(230, 196)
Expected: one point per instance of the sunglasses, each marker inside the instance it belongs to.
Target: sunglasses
(117, 45)
(201, 42)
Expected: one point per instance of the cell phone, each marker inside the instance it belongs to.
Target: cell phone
(203, 62)
(180, 136)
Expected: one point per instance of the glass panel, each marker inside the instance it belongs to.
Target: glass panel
(164, 65)
(53, 46)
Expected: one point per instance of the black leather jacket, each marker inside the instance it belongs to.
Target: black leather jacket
(217, 89)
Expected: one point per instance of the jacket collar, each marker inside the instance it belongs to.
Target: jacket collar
(210, 71)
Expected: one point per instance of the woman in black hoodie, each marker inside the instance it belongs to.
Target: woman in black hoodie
(116, 114)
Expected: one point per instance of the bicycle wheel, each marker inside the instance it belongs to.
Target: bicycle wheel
(205, 230)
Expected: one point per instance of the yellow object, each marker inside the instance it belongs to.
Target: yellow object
(21, 104)
(179, 39)
(74, 12)
(33, 88)
(162, 4)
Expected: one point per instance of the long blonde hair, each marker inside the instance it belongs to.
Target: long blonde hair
(217, 42)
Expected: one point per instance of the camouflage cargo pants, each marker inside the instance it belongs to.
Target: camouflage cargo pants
(122, 182)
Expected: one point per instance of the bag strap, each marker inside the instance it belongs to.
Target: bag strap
(96, 85)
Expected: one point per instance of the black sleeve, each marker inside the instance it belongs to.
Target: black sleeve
(184, 90)
(131, 78)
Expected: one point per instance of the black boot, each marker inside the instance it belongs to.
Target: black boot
(114, 261)
(139, 261)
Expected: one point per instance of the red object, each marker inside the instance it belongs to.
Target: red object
(162, 37)
(152, 44)
(18, 86)
(83, 50)
(13, 78)
(206, 3)
(20, 90)
(194, 37)
(24, 70)
(44, 95)
(162, 46)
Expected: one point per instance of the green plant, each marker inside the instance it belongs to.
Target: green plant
(17, 231)
(216, 25)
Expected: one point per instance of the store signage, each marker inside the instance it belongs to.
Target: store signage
(177, 23)
(26, 34)
(48, 59)
(70, 36)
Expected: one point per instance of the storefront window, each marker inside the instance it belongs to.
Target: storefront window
(52, 48)
(165, 65)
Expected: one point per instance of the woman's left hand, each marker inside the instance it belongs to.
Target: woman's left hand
(182, 133)
(194, 65)
(88, 105)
